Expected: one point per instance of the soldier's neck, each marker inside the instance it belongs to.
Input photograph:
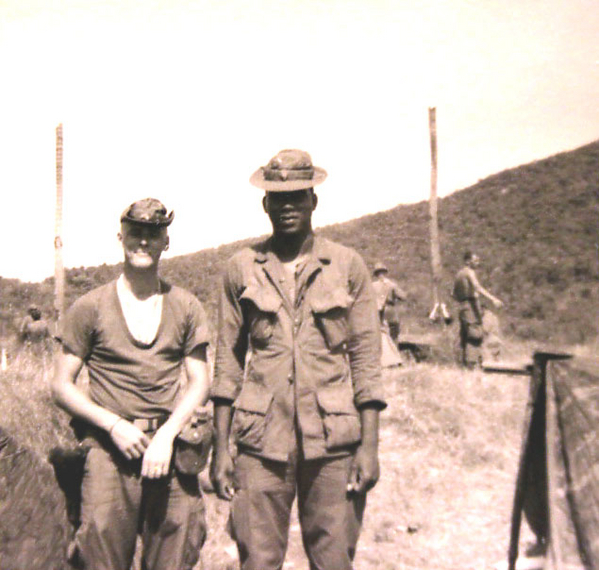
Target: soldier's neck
(143, 283)
(288, 247)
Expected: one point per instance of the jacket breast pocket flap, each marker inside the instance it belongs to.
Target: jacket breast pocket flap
(341, 419)
(249, 419)
(330, 313)
(262, 309)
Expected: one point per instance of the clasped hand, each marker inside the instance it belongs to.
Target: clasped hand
(134, 443)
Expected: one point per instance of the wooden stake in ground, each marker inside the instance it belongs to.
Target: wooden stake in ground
(439, 309)
(58, 264)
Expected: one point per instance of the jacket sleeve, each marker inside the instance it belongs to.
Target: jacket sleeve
(232, 337)
(364, 344)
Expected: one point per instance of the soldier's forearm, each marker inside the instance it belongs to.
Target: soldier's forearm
(70, 398)
(223, 412)
(369, 417)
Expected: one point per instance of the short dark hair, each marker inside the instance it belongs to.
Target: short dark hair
(468, 255)
(35, 313)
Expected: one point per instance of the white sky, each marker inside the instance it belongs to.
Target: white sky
(183, 100)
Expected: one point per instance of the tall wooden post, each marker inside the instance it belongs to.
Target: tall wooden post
(439, 309)
(58, 264)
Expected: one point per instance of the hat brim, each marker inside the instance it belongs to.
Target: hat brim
(257, 179)
(161, 224)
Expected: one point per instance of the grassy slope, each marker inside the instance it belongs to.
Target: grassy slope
(536, 228)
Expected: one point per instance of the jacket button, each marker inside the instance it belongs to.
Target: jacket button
(290, 378)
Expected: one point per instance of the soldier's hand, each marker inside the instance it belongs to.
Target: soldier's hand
(221, 474)
(157, 457)
(130, 440)
(364, 471)
(498, 304)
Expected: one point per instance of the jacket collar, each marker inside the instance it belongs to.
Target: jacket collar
(319, 249)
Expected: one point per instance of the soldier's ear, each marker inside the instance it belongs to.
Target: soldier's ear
(314, 200)
(265, 203)
(120, 236)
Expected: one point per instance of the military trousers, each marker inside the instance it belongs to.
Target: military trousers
(330, 518)
(117, 504)
(471, 337)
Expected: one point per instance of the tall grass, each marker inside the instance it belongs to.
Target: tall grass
(26, 408)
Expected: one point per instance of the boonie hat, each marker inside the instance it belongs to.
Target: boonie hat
(290, 169)
(380, 266)
(148, 211)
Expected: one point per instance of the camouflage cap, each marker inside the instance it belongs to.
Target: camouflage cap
(147, 211)
(289, 170)
(380, 266)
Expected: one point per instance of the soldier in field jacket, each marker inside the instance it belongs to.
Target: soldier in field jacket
(297, 381)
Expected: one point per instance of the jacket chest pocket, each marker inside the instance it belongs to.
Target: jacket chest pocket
(261, 308)
(250, 415)
(330, 311)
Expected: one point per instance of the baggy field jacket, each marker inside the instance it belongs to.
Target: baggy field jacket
(298, 370)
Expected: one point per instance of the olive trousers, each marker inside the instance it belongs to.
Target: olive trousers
(117, 504)
(330, 518)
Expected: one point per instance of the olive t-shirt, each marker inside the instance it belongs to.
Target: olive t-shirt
(127, 377)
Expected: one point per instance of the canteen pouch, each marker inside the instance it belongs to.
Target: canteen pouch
(192, 445)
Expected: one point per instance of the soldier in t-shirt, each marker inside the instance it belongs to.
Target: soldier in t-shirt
(467, 291)
(134, 335)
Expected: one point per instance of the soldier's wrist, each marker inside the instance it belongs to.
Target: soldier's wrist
(111, 427)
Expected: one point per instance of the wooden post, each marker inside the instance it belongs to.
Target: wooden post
(58, 264)
(439, 309)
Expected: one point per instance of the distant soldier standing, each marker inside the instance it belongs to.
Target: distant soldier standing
(297, 381)
(467, 291)
(33, 328)
(388, 296)
(134, 335)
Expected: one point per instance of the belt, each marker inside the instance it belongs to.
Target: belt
(149, 424)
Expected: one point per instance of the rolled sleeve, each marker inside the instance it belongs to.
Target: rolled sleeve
(364, 345)
(76, 330)
(232, 338)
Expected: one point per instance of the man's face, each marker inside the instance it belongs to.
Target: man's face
(290, 212)
(143, 244)
(474, 261)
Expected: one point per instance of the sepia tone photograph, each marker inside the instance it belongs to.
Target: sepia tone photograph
(301, 285)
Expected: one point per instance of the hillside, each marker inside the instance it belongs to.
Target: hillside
(536, 228)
